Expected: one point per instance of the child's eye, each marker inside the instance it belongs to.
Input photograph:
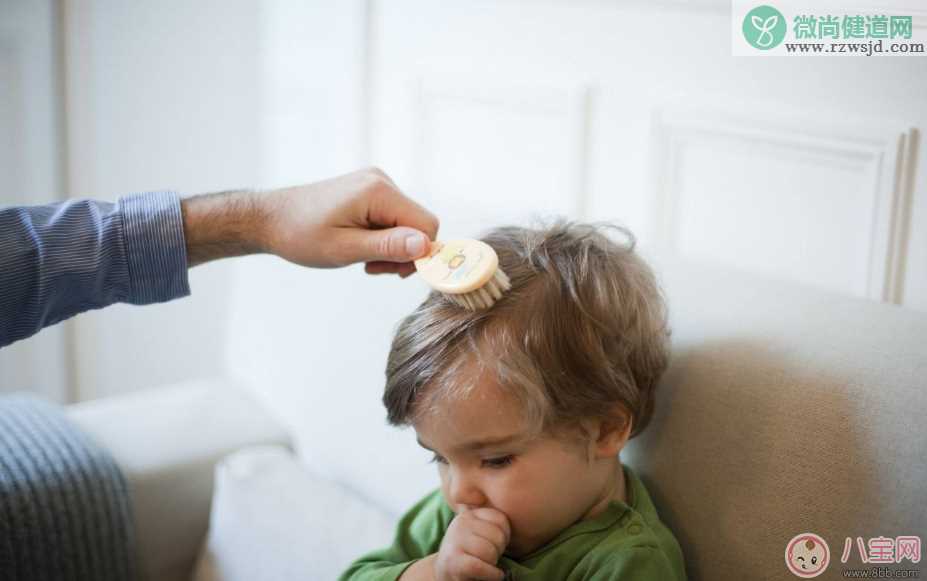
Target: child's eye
(437, 459)
(499, 462)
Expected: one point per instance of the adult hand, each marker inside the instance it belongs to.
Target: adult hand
(358, 217)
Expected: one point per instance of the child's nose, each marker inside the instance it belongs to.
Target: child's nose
(464, 492)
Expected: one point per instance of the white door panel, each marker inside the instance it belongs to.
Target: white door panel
(797, 168)
(809, 199)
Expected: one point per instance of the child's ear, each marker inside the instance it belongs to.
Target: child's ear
(614, 433)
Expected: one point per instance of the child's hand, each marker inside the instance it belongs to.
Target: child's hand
(472, 545)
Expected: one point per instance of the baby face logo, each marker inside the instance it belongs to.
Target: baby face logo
(764, 27)
(807, 555)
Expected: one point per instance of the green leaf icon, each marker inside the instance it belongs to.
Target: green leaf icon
(764, 27)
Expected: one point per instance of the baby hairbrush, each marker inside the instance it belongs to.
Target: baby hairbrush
(465, 271)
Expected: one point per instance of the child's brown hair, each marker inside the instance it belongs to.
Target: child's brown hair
(583, 329)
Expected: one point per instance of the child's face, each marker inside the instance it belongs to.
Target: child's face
(543, 485)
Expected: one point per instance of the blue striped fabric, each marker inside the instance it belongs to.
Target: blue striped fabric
(62, 259)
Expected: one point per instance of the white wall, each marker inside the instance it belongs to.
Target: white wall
(200, 97)
(31, 168)
(160, 96)
(487, 112)
(785, 167)
(492, 112)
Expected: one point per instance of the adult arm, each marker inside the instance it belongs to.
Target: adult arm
(61, 259)
(357, 217)
(58, 260)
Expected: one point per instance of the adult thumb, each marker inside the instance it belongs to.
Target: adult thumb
(400, 244)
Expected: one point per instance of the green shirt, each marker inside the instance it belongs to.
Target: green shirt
(623, 543)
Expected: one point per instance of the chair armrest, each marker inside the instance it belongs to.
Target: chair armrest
(167, 442)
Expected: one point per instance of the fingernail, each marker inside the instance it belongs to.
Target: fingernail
(415, 245)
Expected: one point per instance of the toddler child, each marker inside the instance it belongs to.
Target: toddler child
(526, 407)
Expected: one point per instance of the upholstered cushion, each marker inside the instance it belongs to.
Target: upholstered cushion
(273, 519)
(785, 410)
(167, 442)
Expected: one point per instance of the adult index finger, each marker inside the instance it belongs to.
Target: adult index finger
(393, 208)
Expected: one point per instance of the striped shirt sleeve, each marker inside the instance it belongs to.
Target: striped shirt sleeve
(62, 259)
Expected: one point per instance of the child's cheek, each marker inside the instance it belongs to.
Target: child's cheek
(516, 496)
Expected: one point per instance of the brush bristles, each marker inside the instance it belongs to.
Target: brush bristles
(485, 296)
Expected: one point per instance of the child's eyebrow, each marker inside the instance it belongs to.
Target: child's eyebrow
(480, 444)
